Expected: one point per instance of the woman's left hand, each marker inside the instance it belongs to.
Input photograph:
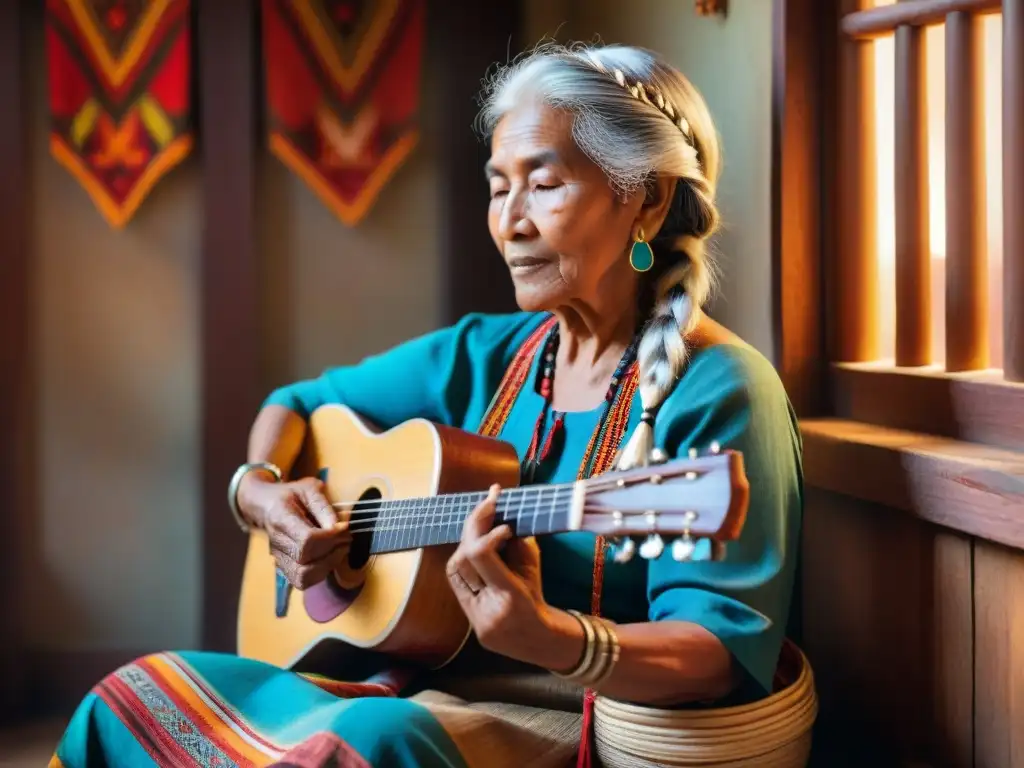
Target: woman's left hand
(502, 596)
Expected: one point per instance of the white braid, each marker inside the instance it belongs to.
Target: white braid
(663, 351)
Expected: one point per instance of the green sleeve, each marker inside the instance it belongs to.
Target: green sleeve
(733, 396)
(447, 376)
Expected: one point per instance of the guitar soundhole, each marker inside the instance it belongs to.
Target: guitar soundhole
(362, 520)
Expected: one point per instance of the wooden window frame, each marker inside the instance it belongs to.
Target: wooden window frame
(946, 447)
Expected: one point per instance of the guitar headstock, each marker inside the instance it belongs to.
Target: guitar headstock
(700, 497)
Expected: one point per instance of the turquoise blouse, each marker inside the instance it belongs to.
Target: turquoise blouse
(729, 393)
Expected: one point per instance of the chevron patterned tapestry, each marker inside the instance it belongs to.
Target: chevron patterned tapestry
(342, 80)
(119, 90)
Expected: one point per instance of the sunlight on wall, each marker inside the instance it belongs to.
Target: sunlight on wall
(935, 43)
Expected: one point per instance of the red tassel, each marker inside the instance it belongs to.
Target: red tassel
(585, 758)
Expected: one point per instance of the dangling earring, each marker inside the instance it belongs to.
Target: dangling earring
(641, 255)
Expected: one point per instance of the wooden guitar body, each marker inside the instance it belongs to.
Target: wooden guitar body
(398, 603)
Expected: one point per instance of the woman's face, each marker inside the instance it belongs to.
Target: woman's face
(563, 231)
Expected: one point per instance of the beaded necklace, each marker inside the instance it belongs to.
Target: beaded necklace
(540, 447)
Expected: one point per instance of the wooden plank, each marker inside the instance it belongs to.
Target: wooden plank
(998, 661)
(884, 19)
(967, 321)
(229, 294)
(884, 592)
(961, 486)
(1013, 189)
(797, 90)
(16, 361)
(475, 277)
(913, 252)
(977, 407)
(855, 295)
(952, 649)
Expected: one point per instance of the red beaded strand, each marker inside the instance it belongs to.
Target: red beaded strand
(540, 447)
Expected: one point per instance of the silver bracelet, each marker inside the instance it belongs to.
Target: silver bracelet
(236, 481)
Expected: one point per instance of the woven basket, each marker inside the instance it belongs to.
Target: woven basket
(774, 732)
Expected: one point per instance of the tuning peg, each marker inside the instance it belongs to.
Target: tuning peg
(658, 456)
(715, 448)
(692, 453)
(652, 547)
(624, 551)
(683, 548)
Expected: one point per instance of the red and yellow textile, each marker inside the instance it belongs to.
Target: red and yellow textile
(119, 90)
(342, 93)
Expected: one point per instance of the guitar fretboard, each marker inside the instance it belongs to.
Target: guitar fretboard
(403, 524)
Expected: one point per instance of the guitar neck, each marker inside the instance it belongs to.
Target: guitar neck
(403, 524)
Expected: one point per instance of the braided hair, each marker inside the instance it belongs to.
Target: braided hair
(637, 118)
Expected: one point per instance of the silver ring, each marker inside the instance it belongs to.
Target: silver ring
(460, 577)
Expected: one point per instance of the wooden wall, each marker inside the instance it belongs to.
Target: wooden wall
(230, 304)
(911, 629)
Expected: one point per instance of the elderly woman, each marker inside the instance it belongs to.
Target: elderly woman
(602, 181)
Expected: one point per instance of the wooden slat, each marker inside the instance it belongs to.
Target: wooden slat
(951, 633)
(973, 489)
(883, 20)
(999, 663)
(16, 363)
(229, 294)
(855, 293)
(977, 408)
(967, 320)
(1013, 189)
(797, 90)
(913, 253)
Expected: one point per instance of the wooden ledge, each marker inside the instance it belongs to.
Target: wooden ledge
(971, 488)
(977, 407)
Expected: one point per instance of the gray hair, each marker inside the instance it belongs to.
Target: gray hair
(637, 118)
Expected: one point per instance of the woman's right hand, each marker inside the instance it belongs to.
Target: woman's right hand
(308, 537)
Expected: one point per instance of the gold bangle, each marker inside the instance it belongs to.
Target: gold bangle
(602, 658)
(586, 658)
(612, 657)
(600, 654)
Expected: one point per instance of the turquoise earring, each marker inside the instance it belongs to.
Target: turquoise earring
(641, 256)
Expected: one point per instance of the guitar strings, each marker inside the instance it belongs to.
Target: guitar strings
(439, 523)
(466, 496)
(449, 516)
(404, 519)
(421, 514)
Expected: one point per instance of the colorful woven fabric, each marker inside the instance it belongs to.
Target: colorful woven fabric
(220, 711)
(342, 93)
(119, 90)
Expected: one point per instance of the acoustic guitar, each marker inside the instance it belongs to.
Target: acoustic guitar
(408, 491)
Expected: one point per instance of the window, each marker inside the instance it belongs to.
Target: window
(884, 103)
(921, 414)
